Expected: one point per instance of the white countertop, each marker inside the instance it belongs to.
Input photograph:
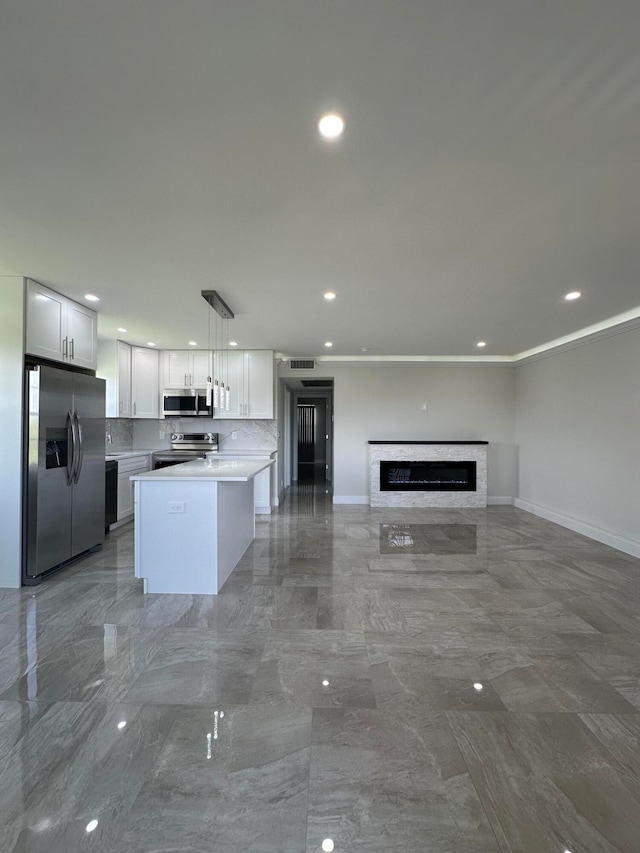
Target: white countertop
(126, 454)
(217, 470)
(249, 454)
(252, 454)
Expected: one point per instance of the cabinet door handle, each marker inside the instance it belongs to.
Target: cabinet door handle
(134, 408)
(73, 347)
(185, 380)
(64, 347)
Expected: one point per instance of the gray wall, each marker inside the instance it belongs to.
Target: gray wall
(11, 363)
(385, 402)
(577, 427)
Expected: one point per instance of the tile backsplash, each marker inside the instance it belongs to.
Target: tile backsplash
(141, 434)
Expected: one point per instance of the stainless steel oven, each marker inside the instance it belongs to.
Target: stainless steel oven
(186, 403)
(185, 447)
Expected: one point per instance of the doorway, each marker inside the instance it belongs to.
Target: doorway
(311, 436)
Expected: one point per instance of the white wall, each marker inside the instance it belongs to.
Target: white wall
(385, 402)
(11, 372)
(578, 431)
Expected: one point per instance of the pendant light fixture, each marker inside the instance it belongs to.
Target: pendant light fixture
(226, 349)
(221, 393)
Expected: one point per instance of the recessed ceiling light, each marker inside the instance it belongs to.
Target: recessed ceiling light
(575, 294)
(478, 686)
(90, 297)
(481, 344)
(193, 343)
(328, 344)
(233, 343)
(120, 329)
(327, 845)
(122, 724)
(329, 295)
(151, 343)
(331, 126)
(91, 825)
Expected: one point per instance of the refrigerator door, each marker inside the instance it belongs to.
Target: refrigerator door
(87, 522)
(50, 461)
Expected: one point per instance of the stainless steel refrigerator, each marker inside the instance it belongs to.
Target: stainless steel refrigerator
(64, 468)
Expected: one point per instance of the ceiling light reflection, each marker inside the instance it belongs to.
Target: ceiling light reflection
(478, 686)
(122, 724)
(325, 683)
(575, 294)
(91, 825)
(328, 845)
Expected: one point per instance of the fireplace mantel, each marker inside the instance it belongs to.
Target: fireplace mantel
(428, 451)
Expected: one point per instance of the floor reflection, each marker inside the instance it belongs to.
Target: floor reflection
(425, 539)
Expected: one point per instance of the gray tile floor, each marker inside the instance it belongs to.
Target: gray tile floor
(392, 680)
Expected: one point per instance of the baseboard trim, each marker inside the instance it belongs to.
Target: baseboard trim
(351, 499)
(614, 540)
(499, 500)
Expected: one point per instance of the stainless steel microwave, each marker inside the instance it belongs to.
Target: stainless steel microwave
(186, 403)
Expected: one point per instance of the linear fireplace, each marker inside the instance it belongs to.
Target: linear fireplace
(426, 476)
(428, 473)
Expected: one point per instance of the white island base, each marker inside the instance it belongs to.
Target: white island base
(191, 531)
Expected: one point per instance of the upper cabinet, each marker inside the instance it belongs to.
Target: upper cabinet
(144, 382)
(59, 328)
(185, 368)
(114, 365)
(132, 379)
(249, 375)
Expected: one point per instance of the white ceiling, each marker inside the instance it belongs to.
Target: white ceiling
(150, 149)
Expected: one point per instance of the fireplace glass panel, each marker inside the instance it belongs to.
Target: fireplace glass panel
(422, 476)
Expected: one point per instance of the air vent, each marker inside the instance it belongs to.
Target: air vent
(302, 364)
(316, 383)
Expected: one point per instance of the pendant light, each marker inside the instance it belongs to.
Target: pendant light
(208, 397)
(220, 392)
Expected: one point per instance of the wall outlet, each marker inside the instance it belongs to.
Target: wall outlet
(234, 435)
(175, 506)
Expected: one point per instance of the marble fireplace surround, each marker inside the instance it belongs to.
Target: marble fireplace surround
(428, 451)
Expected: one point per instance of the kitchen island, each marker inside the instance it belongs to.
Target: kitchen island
(193, 523)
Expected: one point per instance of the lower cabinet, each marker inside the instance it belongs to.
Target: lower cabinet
(127, 467)
(261, 484)
(262, 491)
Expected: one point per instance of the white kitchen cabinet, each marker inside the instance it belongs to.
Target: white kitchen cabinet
(59, 328)
(114, 365)
(261, 482)
(126, 468)
(124, 379)
(249, 374)
(186, 368)
(145, 391)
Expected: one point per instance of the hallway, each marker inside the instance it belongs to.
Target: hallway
(450, 681)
